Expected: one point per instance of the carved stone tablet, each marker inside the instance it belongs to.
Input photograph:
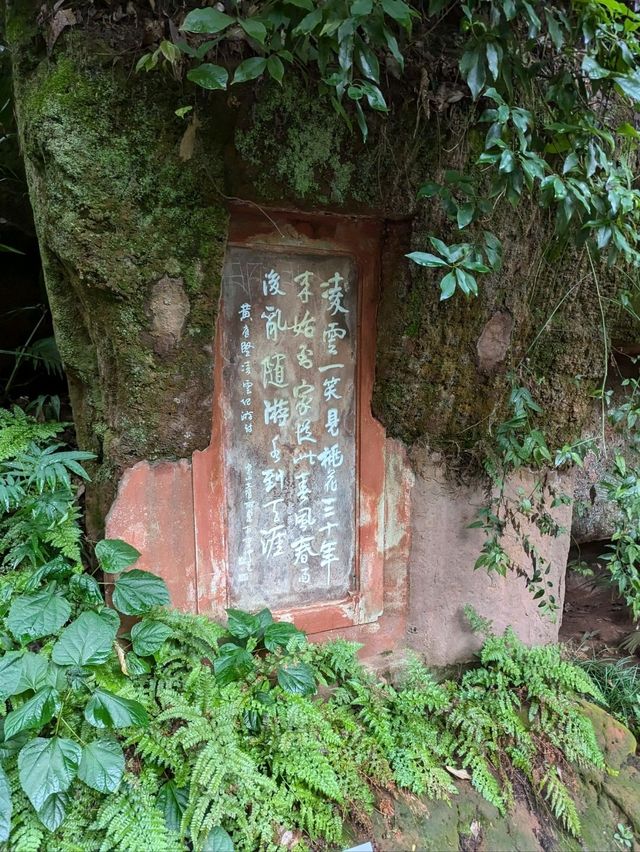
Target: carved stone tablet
(289, 349)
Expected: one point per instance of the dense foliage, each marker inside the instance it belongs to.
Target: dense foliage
(178, 731)
(555, 86)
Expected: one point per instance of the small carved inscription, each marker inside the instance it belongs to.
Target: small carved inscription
(289, 349)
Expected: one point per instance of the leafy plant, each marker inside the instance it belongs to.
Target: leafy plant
(132, 726)
(619, 682)
(341, 41)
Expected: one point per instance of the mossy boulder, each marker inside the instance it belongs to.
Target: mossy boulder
(468, 822)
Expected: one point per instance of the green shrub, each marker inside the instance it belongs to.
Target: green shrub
(185, 734)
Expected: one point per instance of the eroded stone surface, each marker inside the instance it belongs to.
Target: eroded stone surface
(493, 344)
(169, 306)
(442, 579)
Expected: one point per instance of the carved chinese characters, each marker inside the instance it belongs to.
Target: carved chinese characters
(289, 350)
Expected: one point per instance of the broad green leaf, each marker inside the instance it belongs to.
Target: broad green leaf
(593, 69)
(429, 189)
(630, 85)
(87, 641)
(86, 588)
(472, 67)
(250, 69)
(242, 624)
(115, 555)
(102, 765)
(35, 616)
(149, 636)
(465, 214)
(361, 7)
(466, 282)
(218, 841)
(232, 664)
(448, 286)
(110, 617)
(254, 29)
(308, 23)
(135, 665)
(275, 68)
(264, 619)
(34, 713)
(172, 801)
(6, 806)
(209, 76)
(107, 710)
(297, 679)
(424, 258)
(278, 634)
(368, 62)
(137, 592)
(374, 96)
(35, 673)
(494, 57)
(47, 766)
(53, 812)
(399, 11)
(555, 31)
(57, 568)
(11, 673)
(206, 21)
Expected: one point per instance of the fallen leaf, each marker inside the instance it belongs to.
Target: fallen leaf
(462, 774)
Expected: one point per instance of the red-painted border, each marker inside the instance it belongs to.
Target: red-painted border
(359, 238)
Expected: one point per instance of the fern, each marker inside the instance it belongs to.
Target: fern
(18, 431)
(560, 801)
(130, 820)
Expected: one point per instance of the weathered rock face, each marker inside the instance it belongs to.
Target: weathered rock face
(468, 822)
(441, 576)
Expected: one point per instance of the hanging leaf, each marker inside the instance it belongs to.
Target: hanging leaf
(254, 29)
(149, 636)
(219, 841)
(107, 710)
(209, 76)
(6, 806)
(35, 616)
(297, 679)
(275, 68)
(115, 555)
(137, 592)
(87, 641)
(250, 69)
(308, 23)
(53, 812)
(102, 765)
(206, 21)
(399, 11)
(47, 766)
(448, 286)
(472, 68)
(33, 714)
(172, 801)
(424, 258)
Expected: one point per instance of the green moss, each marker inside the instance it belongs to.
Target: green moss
(117, 210)
(300, 147)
